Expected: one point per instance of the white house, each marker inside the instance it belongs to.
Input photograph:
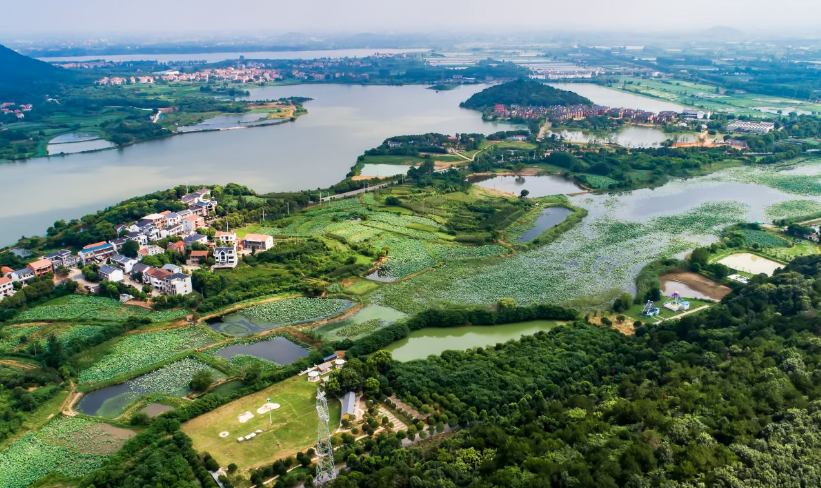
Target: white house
(178, 284)
(173, 268)
(6, 287)
(225, 238)
(125, 263)
(110, 273)
(225, 257)
(22, 275)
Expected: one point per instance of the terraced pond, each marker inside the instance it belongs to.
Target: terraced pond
(422, 343)
(549, 218)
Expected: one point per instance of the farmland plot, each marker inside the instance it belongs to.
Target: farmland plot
(79, 307)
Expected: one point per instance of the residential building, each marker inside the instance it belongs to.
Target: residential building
(125, 263)
(195, 238)
(150, 250)
(97, 252)
(110, 273)
(22, 275)
(139, 270)
(191, 223)
(173, 268)
(197, 257)
(61, 258)
(41, 267)
(194, 197)
(156, 278)
(258, 242)
(5, 271)
(225, 238)
(178, 246)
(178, 284)
(6, 287)
(225, 257)
(204, 207)
(157, 220)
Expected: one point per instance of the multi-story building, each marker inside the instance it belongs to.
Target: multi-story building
(110, 273)
(61, 258)
(178, 284)
(258, 242)
(6, 287)
(97, 252)
(225, 257)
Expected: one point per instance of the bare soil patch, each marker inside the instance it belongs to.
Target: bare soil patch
(155, 409)
(699, 283)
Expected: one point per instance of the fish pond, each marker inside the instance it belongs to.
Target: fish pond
(278, 350)
(261, 318)
(538, 186)
(172, 380)
(76, 142)
(420, 344)
(364, 322)
(549, 218)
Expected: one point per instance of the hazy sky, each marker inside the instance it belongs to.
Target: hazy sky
(108, 17)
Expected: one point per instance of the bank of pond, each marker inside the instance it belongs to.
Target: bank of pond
(537, 186)
(173, 379)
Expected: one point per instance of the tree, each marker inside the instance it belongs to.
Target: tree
(130, 248)
(699, 256)
(202, 380)
(524, 193)
(371, 386)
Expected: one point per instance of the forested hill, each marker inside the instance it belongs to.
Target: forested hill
(726, 398)
(523, 92)
(23, 78)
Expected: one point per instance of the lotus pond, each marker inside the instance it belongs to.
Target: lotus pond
(271, 315)
(278, 350)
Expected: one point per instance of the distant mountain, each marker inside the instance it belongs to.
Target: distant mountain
(523, 92)
(23, 78)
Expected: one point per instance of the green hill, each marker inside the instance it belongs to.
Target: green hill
(23, 79)
(523, 92)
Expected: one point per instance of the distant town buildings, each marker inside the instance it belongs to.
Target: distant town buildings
(750, 127)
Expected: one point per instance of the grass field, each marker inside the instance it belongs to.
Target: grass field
(293, 429)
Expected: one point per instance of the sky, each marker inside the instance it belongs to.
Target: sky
(167, 17)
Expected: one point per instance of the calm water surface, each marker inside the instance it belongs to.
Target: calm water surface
(550, 217)
(277, 350)
(610, 97)
(315, 151)
(633, 136)
(538, 186)
(422, 343)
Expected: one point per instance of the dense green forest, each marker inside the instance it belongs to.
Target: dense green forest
(523, 92)
(27, 80)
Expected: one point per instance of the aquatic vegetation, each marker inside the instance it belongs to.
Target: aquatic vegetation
(792, 209)
(137, 351)
(405, 256)
(172, 378)
(77, 307)
(762, 238)
(66, 445)
(11, 336)
(296, 310)
(444, 252)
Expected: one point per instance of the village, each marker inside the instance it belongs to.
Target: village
(108, 258)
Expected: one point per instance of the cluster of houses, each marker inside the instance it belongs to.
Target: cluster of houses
(131, 80)
(580, 112)
(11, 108)
(169, 279)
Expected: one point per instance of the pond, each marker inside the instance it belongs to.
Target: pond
(381, 275)
(278, 350)
(76, 142)
(239, 325)
(549, 218)
(538, 186)
(221, 122)
(422, 343)
(385, 169)
(362, 323)
(632, 136)
(317, 150)
(751, 263)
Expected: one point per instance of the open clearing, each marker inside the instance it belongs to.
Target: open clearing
(750, 263)
(692, 285)
(292, 427)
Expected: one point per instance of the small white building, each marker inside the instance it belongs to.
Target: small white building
(125, 263)
(225, 257)
(339, 363)
(258, 242)
(6, 287)
(110, 273)
(313, 376)
(178, 284)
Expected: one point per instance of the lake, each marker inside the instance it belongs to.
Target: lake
(211, 57)
(549, 218)
(433, 340)
(278, 350)
(538, 186)
(315, 151)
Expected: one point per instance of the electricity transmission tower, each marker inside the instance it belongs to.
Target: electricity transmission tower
(324, 451)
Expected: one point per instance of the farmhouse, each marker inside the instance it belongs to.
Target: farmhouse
(225, 238)
(41, 267)
(22, 275)
(197, 257)
(110, 273)
(178, 284)
(6, 287)
(258, 242)
(123, 262)
(61, 258)
(96, 252)
(225, 257)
